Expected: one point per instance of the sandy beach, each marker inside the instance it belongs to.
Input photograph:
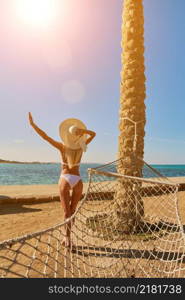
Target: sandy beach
(34, 194)
(29, 194)
(29, 208)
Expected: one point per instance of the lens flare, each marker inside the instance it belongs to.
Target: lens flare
(38, 13)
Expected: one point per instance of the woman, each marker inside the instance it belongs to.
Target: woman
(75, 138)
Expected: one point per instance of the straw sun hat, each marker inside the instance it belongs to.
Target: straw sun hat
(67, 130)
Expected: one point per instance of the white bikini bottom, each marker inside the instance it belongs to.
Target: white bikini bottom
(71, 179)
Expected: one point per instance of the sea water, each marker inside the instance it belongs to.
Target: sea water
(48, 173)
(28, 174)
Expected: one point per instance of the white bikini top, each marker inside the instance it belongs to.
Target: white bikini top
(66, 164)
(72, 157)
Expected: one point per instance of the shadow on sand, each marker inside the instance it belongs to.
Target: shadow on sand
(6, 209)
(128, 253)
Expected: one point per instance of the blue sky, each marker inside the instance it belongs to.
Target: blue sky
(71, 68)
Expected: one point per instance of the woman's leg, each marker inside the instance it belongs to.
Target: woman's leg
(65, 199)
(76, 196)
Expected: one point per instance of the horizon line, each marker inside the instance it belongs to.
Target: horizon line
(89, 162)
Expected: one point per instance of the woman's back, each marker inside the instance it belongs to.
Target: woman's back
(71, 157)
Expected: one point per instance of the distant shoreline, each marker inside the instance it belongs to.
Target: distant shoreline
(2, 161)
(24, 162)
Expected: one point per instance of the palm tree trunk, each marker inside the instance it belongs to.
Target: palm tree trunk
(129, 205)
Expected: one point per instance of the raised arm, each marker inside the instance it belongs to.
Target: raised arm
(54, 143)
(92, 135)
(89, 132)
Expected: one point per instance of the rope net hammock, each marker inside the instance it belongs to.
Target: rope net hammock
(153, 247)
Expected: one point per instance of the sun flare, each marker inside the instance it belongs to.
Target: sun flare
(37, 13)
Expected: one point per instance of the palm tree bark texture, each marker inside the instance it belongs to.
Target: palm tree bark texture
(129, 205)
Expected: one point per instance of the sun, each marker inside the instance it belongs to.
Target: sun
(38, 13)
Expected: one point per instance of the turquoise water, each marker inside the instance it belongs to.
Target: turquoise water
(28, 174)
(171, 170)
(23, 174)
